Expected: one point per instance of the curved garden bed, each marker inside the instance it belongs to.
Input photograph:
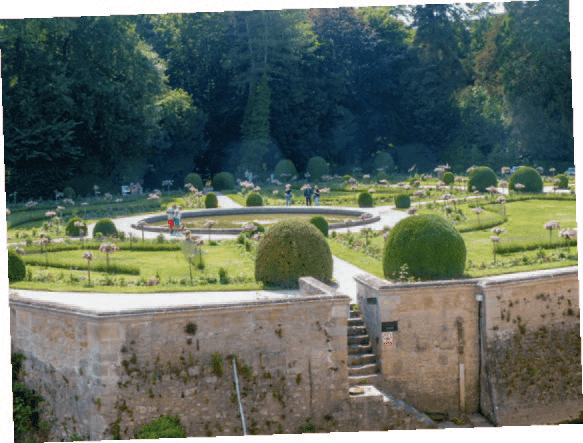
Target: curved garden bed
(146, 223)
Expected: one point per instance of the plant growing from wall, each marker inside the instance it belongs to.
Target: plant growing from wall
(217, 364)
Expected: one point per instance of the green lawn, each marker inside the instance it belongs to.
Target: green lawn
(170, 267)
(525, 222)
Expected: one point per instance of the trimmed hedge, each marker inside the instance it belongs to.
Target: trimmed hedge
(80, 263)
(211, 201)
(285, 167)
(195, 180)
(481, 178)
(105, 226)
(72, 230)
(527, 176)
(382, 175)
(317, 167)
(291, 249)
(429, 245)
(448, 178)
(321, 223)
(254, 199)
(223, 181)
(16, 267)
(402, 201)
(365, 200)
(562, 181)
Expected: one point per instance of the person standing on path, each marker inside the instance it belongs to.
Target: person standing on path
(288, 195)
(177, 217)
(308, 194)
(170, 215)
(317, 195)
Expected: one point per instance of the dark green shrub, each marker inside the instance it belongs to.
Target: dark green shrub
(384, 160)
(346, 178)
(163, 427)
(69, 192)
(429, 245)
(104, 227)
(223, 181)
(25, 405)
(481, 178)
(254, 199)
(291, 249)
(211, 200)
(527, 176)
(448, 178)
(562, 181)
(195, 180)
(317, 167)
(365, 200)
(320, 222)
(286, 168)
(16, 267)
(382, 176)
(402, 201)
(72, 230)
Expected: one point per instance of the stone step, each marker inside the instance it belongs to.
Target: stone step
(356, 380)
(357, 330)
(360, 359)
(365, 369)
(358, 348)
(355, 322)
(354, 314)
(358, 340)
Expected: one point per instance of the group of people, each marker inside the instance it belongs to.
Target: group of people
(308, 194)
(174, 215)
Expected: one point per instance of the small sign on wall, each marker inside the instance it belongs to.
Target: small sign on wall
(387, 338)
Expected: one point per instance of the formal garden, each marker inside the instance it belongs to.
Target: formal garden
(505, 228)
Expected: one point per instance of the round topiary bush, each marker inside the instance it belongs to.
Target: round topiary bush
(104, 227)
(195, 180)
(365, 200)
(317, 167)
(16, 267)
(448, 178)
(211, 201)
(223, 181)
(321, 223)
(429, 245)
(562, 181)
(385, 161)
(527, 176)
(72, 230)
(254, 199)
(402, 201)
(481, 178)
(291, 249)
(69, 192)
(284, 170)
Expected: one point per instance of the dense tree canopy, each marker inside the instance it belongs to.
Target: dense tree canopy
(113, 100)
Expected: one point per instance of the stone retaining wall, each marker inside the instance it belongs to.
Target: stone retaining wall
(507, 346)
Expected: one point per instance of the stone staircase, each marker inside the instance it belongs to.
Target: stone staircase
(362, 364)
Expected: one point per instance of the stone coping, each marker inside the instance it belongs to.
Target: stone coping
(259, 210)
(378, 284)
(129, 305)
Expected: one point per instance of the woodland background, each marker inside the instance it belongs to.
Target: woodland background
(111, 100)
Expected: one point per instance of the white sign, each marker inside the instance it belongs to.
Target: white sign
(387, 338)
